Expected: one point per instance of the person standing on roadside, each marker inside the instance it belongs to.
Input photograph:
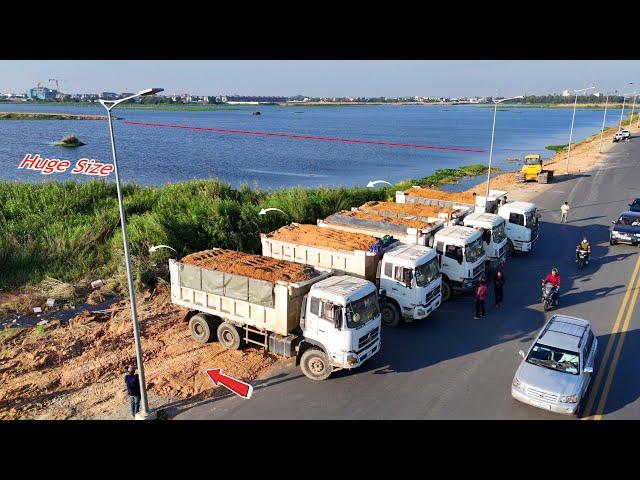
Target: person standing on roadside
(481, 293)
(132, 382)
(498, 287)
(564, 212)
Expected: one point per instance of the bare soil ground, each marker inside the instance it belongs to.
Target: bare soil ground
(313, 235)
(252, 266)
(76, 371)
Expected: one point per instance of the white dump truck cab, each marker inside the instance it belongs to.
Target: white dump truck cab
(340, 318)
(494, 236)
(521, 225)
(462, 258)
(489, 203)
(410, 283)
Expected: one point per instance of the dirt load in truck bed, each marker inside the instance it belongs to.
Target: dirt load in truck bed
(462, 197)
(252, 266)
(315, 236)
(418, 210)
(379, 218)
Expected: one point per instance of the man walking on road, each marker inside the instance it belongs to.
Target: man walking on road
(498, 287)
(132, 382)
(481, 293)
(564, 212)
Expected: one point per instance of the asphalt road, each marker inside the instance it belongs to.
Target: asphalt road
(451, 366)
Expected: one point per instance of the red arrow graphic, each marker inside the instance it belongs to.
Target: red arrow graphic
(241, 389)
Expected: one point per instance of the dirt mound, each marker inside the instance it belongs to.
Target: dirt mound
(462, 197)
(408, 209)
(252, 266)
(77, 371)
(379, 218)
(316, 236)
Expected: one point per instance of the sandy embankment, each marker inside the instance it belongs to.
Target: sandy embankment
(584, 156)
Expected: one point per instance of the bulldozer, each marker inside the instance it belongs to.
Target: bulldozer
(532, 169)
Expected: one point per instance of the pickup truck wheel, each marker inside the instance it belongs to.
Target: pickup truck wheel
(445, 289)
(315, 365)
(200, 328)
(390, 314)
(229, 337)
(612, 241)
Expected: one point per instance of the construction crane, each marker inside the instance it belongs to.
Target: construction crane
(57, 80)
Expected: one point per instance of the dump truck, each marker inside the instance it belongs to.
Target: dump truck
(522, 225)
(464, 201)
(327, 322)
(532, 169)
(492, 227)
(463, 244)
(407, 276)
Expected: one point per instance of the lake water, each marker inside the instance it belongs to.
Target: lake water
(153, 155)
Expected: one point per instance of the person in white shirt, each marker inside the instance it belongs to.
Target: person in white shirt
(564, 212)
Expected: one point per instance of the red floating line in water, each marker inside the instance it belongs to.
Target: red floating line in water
(307, 137)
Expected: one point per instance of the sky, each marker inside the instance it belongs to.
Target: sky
(319, 78)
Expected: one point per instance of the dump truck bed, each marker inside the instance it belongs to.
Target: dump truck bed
(262, 292)
(420, 212)
(338, 250)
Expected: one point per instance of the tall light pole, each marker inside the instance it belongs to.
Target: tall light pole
(493, 131)
(573, 118)
(624, 98)
(632, 108)
(604, 118)
(109, 105)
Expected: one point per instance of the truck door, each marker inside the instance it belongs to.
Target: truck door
(403, 286)
(452, 261)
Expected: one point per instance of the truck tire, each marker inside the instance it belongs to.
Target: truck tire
(543, 178)
(520, 177)
(445, 289)
(390, 315)
(201, 328)
(315, 365)
(229, 337)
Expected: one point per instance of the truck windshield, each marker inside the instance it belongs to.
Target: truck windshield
(363, 310)
(554, 358)
(531, 219)
(427, 272)
(474, 251)
(532, 161)
(499, 233)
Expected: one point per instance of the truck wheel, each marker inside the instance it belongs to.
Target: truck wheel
(612, 241)
(229, 337)
(315, 365)
(390, 314)
(445, 289)
(201, 328)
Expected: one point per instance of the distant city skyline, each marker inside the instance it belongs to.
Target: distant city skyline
(325, 78)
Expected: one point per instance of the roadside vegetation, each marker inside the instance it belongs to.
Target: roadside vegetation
(557, 148)
(70, 231)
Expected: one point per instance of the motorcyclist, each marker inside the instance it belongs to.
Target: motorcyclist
(584, 246)
(554, 279)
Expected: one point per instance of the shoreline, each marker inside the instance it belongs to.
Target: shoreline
(48, 116)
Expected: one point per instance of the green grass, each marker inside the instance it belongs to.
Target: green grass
(70, 231)
(557, 148)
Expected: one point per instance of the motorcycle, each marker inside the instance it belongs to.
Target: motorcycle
(549, 296)
(582, 258)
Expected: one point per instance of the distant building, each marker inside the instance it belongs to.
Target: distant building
(566, 93)
(42, 93)
(256, 99)
(109, 96)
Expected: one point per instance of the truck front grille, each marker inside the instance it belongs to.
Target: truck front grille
(431, 295)
(366, 341)
(478, 270)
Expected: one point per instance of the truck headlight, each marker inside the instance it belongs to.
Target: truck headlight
(517, 384)
(352, 359)
(569, 399)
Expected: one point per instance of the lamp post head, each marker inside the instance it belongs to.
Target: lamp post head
(150, 91)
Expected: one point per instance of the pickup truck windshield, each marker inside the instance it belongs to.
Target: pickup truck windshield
(554, 359)
(363, 310)
(474, 250)
(531, 219)
(427, 272)
(499, 233)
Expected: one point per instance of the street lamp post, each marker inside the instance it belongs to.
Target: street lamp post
(109, 105)
(575, 104)
(493, 131)
(632, 108)
(604, 118)
(624, 98)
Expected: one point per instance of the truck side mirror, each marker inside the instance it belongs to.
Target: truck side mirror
(588, 370)
(337, 318)
(408, 277)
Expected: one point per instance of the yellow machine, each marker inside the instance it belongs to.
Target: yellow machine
(532, 170)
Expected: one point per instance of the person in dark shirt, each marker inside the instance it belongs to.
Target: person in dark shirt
(132, 382)
(498, 287)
